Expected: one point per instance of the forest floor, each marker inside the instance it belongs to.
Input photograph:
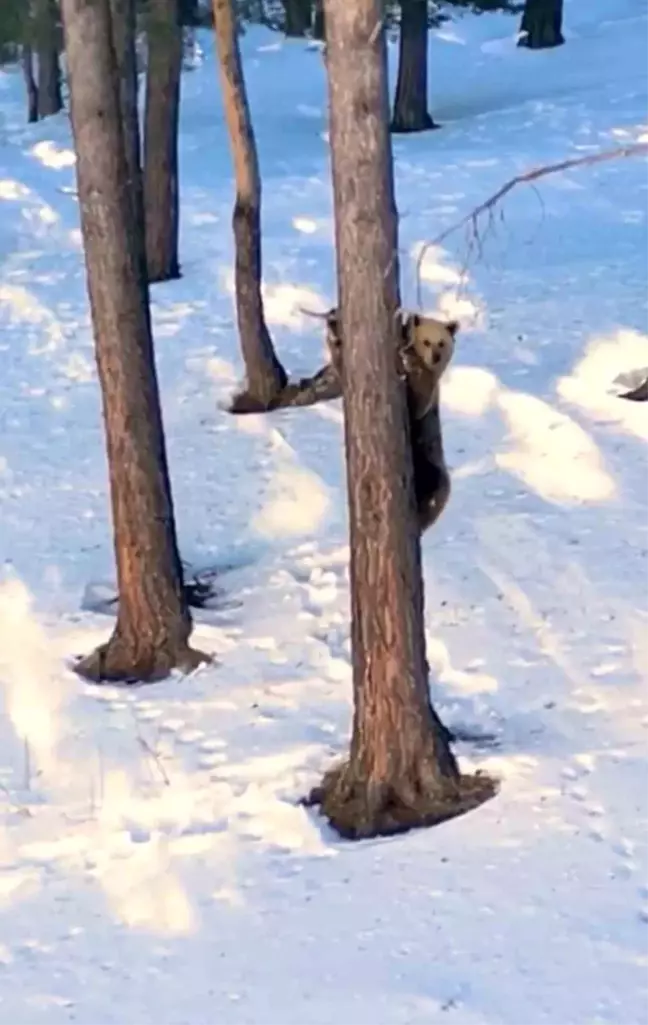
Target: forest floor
(155, 866)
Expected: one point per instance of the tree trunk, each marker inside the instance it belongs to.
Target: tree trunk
(153, 623)
(297, 17)
(30, 83)
(189, 14)
(124, 32)
(265, 375)
(50, 98)
(411, 102)
(318, 20)
(542, 24)
(161, 195)
(401, 772)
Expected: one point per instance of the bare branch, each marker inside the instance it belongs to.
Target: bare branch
(472, 219)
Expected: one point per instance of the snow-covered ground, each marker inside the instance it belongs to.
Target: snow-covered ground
(154, 863)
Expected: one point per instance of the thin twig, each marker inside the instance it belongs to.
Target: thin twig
(534, 174)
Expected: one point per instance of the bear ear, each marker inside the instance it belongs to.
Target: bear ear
(415, 320)
(453, 327)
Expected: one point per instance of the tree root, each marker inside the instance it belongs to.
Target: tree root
(115, 663)
(359, 808)
(321, 387)
(638, 394)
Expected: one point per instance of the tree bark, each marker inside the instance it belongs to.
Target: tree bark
(401, 772)
(297, 17)
(30, 83)
(411, 102)
(153, 622)
(162, 108)
(542, 24)
(265, 375)
(50, 98)
(124, 32)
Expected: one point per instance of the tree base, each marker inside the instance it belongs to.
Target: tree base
(405, 125)
(321, 387)
(114, 663)
(541, 40)
(358, 808)
(157, 275)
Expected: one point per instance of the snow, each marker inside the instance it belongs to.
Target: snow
(155, 865)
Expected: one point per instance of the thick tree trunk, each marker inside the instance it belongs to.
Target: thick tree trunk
(124, 31)
(161, 194)
(265, 374)
(153, 622)
(542, 24)
(50, 98)
(411, 102)
(30, 83)
(401, 772)
(297, 17)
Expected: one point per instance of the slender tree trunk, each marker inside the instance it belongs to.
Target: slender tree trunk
(50, 98)
(30, 83)
(189, 13)
(411, 101)
(124, 31)
(401, 772)
(318, 20)
(542, 24)
(265, 374)
(297, 17)
(161, 194)
(153, 623)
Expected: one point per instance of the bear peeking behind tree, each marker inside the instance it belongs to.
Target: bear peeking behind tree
(425, 353)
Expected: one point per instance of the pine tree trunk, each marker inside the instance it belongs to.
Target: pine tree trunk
(411, 102)
(50, 98)
(153, 623)
(162, 109)
(297, 17)
(542, 24)
(401, 772)
(265, 374)
(124, 26)
(30, 83)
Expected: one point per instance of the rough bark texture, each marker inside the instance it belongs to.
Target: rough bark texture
(30, 83)
(411, 102)
(401, 772)
(542, 24)
(153, 622)
(162, 108)
(50, 99)
(124, 26)
(265, 374)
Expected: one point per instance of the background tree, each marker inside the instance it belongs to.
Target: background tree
(46, 28)
(297, 17)
(265, 375)
(124, 25)
(401, 772)
(27, 62)
(153, 624)
(542, 24)
(162, 109)
(411, 101)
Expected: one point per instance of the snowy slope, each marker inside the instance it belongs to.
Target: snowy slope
(154, 865)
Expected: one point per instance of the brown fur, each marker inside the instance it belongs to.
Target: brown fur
(426, 351)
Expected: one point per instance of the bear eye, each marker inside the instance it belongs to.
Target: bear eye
(441, 345)
(427, 343)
